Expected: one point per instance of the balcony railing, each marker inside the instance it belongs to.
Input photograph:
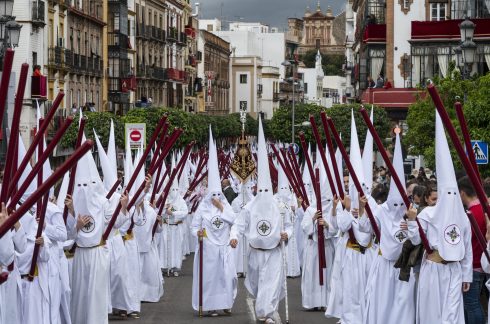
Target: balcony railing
(39, 86)
(38, 14)
(68, 58)
(56, 57)
(172, 34)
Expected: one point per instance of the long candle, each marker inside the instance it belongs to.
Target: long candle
(322, 154)
(39, 165)
(4, 83)
(466, 136)
(71, 182)
(47, 184)
(14, 131)
(35, 141)
(394, 174)
(353, 175)
(335, 167)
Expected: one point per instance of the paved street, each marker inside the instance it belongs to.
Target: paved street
(175, 306)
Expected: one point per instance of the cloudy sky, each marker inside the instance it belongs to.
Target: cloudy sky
(271, 12)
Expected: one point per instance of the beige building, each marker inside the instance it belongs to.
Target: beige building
(214, 71)
(75, 53)
(246, 84)
(319, 30)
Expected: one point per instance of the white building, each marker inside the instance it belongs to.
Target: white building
(313, 82)
(32, 50)
(210, 25)
(334, 90)
(246, 83)
(249, 26)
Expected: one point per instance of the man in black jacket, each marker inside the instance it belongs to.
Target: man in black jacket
(228, 191)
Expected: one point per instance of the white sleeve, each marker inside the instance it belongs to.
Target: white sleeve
(6, 249)
(484, 261)
(413, 231)
(467, 262)
(240, 225)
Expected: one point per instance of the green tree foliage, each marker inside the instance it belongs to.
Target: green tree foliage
(331, 63)
(225, 128)
(475, 97)
(279, 127)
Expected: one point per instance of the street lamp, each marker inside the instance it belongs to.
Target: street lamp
(13, 33)
(466, 52)
(286, 64)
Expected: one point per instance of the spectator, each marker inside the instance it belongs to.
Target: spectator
(370, 83)
(486, 187)
(74, 109)
(37, 71)
(418, 196)
(387, 84)
(430, 197)
(473, 310)
(380, 82)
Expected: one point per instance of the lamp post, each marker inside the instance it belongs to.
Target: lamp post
(9, 38)
(286, 64)
(466, 51)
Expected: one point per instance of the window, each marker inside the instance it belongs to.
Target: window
(317, 44)
(243, 78)
(305, 87)
(209, 28)
(243, 105)
(438, 11)
(34, 58)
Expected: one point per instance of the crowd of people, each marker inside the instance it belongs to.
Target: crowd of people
(363, 256)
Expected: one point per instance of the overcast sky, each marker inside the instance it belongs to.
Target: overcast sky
(271, 12)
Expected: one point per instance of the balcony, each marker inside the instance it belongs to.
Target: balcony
(175, 75)
(39, 85)
(76, 62)
(199, 56)
(390, 98)
(83, 63)
(172, 34)
(140, 71)
(159, 74)
(191, 61)
(68, 58)
(182, 39)
(447, 30)
(374, 33)
(38, 14)
(56, 57)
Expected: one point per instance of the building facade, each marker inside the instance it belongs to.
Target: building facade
(320, 31)
(417, 53)
(246, 85)
(214, 73)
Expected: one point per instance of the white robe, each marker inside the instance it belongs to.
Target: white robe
(439, 293)
(35, 294)
(354, 271)
(384, 290)
(171, 238)
(241, 251)
(314, 295)
(266, 276)
(151, 280)
(219, 273)
(293, 265)
(55, 230)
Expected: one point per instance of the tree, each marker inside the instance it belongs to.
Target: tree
(331, 63)
(421, 115)
(279, 127)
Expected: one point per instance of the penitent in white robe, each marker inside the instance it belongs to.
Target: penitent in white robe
(151, 280)
(265, 276)
(486, 267)
(384, 289)
(170, 248)
(439, 294)
(219, 273)
(313, 294)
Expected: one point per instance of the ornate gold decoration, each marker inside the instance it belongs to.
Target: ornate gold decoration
(243, 164)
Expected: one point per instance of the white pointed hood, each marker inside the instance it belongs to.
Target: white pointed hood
(174, 187)
(111, 149)
(21, 153)
(447, 218)
(367, 159)
(264, 183)
(47, 171)
(265, 216)
(283, 190)
(128, 164)
(60, 201)
(110, 174)
(394, 202)
(214, 183)
(356, 161)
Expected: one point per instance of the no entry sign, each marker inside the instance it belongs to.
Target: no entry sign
(135, 135)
